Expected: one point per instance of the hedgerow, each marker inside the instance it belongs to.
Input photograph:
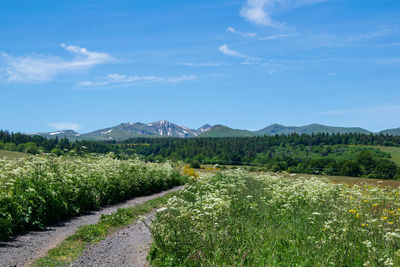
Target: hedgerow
(40, 190)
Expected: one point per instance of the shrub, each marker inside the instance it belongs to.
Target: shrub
(189, 171)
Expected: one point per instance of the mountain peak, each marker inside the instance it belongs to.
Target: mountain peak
(204, 128)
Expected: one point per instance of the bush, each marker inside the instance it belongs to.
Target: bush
(189, 171)
(195, 164)
(350, 168)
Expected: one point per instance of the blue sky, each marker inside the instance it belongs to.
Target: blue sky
(87, 65)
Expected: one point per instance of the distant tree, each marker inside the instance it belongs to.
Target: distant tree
(350, 168)
(57, 151)
(385, 169)
(21, 148)
(31, 148)
(367, 160)
(10, 147)
(195, 164)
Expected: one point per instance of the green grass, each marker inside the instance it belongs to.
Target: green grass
(238, 219)
(12, 154)
(394, 151)
(73, 246)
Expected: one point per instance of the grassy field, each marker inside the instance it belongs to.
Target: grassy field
(394, 151)
(207, 170)
(242, 219)
(11, 154)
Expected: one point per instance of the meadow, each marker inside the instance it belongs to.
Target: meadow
(240, 219)
(12, 154)
(394, 151)
(39, 190)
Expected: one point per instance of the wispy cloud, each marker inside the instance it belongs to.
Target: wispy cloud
(41, 68)
(252, 34)
(270, 67)
(374, 38)
(244, 34)
(120, 80)
(259, 11)
(277, 36)
(224, 49)
(65, 125)
(331, 74)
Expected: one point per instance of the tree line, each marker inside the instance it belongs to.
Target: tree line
(331, 154)
(35, 144)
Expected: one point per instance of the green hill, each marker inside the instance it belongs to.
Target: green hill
(223, 131)
(309, 129)
(395, 131)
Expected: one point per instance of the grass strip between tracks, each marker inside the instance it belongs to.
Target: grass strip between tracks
(72, 247)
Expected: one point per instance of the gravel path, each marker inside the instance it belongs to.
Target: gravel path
(126, 247)
(24, 249)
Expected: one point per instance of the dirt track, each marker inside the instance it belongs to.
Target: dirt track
(24, 249)
(126, 247)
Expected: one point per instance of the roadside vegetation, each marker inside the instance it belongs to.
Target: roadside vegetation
(239, 219)
(40, 190)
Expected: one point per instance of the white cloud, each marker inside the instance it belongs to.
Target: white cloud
(119, 80)
(244, 34)
(254, 12)
(278, 36)
(65, 125)
(331, 74)
(224, 49)
(248, 60)
(40, 68)
(259, 11)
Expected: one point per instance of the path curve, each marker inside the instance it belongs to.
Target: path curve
(24, 249)
(127, 247)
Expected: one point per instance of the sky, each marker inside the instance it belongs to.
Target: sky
(86, 65)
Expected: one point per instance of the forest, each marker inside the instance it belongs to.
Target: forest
(336, 154)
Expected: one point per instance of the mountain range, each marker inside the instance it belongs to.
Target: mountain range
(164, 128)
